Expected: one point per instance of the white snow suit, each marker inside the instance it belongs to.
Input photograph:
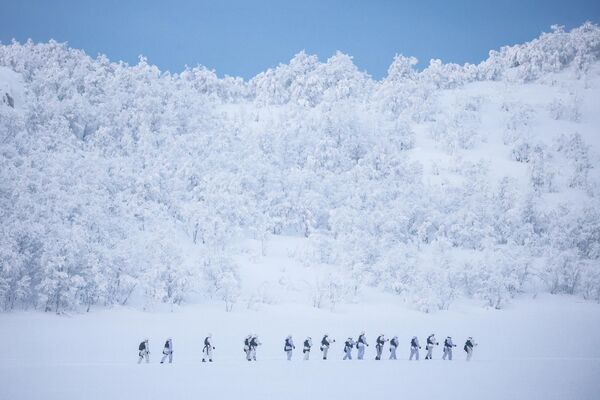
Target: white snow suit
(247, 348)
(167, 351)
(306, 348)
(325, 344)
(414, 348)
(430, 343)
(207, 350)
(289, 347)
(379, 346)
(144, 349)
(360, 345)
(254, 343)
(348, 349)
(469, 348)
(393, 347)
(448, 345)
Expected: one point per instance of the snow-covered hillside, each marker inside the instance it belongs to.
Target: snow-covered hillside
(125, 185)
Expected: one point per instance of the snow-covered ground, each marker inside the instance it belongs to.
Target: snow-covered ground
(542, 348)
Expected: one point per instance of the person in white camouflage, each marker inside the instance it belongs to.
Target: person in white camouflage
(207, 350)
(289, 347)
(306, 348)
(448, 345)
(325, 344)
(361, 343)
(380, 343)
(144, 351)
(348, 345)
(469, 345)
(393, 347)
(168, 351)
(431, 342)
(414, 348)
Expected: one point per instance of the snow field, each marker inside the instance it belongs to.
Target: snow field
(539, 349)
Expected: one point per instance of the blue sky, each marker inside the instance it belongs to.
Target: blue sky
(243, 38)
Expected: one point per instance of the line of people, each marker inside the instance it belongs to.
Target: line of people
(446, 350)
(361, 344)
(144, 350)
(251, 343)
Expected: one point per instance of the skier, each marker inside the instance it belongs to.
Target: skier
(360, 345)
(307, 347)
(325, 343)
(430, 343)
(254, 343)
(414, 348)
(207, 349)
(393, 347)
(289, 346)
(379, 345)
(469, 347)
(168, 351)
(144, 349)
(348, 349)
(247, 349)
(448, 345)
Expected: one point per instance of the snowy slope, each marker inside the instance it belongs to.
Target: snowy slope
(124, 185)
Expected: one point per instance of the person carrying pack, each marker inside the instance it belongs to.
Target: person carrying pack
(414, 348)
(208, 348)
(168, 351)
(307, 347)
(393, 347)
(360, 345)
(430, 343)
(469, 344)
(448, 345)
(348, 345)
(325, 344)
(288, 347)
(380, 342)
(254, 343)
(247, 349)
(144, 351)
